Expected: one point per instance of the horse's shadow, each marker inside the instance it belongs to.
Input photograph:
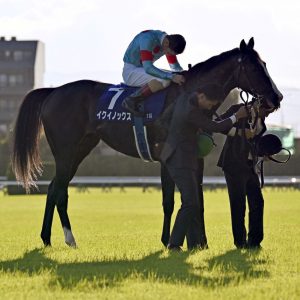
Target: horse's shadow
(235, 266)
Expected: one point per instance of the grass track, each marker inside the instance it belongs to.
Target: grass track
(120, 255)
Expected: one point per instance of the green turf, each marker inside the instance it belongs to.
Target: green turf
(120, 255)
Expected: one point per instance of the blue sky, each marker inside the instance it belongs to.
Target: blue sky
(87, 39)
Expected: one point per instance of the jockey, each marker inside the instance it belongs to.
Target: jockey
(143, 51)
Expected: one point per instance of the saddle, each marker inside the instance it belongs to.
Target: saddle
(109, 104)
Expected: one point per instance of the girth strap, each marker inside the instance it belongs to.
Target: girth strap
(141, 140)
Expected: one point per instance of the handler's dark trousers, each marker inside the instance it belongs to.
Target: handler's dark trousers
(190, 217)
(240, 185)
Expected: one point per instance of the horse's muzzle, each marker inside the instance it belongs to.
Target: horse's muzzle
(273, 101)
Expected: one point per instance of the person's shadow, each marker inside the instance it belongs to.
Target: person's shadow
(234, 265)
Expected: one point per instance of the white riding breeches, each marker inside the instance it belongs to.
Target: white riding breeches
(137, 76)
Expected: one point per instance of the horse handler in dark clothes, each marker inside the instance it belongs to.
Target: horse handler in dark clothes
(179, 155)
(238, 161)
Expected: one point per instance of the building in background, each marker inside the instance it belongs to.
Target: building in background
(22, 67)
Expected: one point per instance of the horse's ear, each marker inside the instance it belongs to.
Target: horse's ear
(243, 45)
(251, 43)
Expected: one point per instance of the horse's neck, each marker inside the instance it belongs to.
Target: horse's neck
(223, 73)
(230, 74)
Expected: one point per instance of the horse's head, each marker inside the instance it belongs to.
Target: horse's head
(253, 76)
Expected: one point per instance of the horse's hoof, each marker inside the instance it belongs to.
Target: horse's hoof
(46, 242)
(69, 238)
(72, 245)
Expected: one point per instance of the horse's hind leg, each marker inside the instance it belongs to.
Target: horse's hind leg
(57, 193)
(48, 216)
(60, 194)
(168, 188)
(66, 167)
(64, 176)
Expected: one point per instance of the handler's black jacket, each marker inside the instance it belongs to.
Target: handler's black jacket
(235, 153)
(181, 142)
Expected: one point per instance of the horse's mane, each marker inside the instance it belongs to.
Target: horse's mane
(211, 62)
(198, 69)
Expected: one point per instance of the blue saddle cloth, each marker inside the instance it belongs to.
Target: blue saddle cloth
(109, 104)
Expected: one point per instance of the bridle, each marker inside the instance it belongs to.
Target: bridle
(253, 115)
(244, 95)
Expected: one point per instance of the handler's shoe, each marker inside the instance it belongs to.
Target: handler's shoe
(198, 247)
(252, 244)
(241, 246)
(253, 247)
(174, 248)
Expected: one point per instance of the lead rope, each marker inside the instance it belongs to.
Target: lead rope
(258, 165)
(259, 168)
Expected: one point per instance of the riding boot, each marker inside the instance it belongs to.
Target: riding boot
(131, 102)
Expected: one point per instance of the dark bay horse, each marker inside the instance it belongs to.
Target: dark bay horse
(67, 114)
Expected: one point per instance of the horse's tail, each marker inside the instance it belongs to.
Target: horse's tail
(26, 162)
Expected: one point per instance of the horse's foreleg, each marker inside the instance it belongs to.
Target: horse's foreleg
(168, 188)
